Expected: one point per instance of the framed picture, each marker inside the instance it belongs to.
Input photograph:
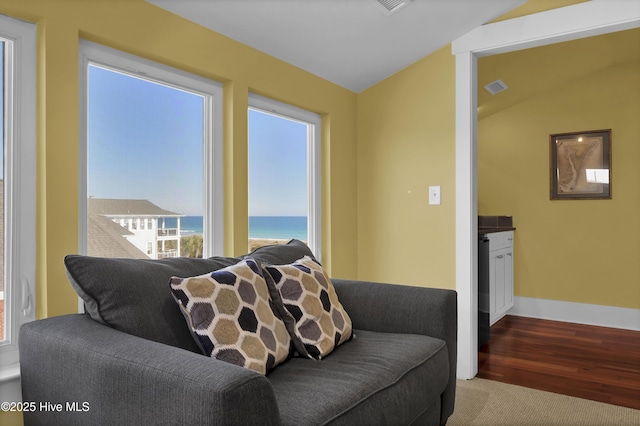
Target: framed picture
(580, 165)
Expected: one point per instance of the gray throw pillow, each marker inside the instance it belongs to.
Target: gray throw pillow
(281, 254)
(131, 295)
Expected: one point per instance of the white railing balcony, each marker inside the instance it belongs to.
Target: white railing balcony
(168, 232)
(167, 253)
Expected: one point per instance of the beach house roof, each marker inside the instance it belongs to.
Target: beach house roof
(122, 207)
(106, 239)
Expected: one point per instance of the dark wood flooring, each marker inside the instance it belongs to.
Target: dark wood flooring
(596, 363)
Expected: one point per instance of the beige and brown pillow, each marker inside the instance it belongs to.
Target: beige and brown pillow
(321, 323)
(232, 316)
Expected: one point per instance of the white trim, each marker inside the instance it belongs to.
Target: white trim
(554, 26)
(466, 211)
(313, 123)
(9, 373)
(213, 161)
(580, 313)
(568, 23)
(19, 186)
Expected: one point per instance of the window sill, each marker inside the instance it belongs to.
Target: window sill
(9, 373)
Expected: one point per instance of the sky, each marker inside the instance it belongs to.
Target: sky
(145, 142)
(277, 166)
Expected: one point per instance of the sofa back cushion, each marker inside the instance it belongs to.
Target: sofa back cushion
(281, 254)
(131, 295)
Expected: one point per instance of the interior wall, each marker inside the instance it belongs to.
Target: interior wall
(406, 143)
(582, 251)
(140, 28)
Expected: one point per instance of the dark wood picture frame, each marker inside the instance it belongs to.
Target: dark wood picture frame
(580, 165)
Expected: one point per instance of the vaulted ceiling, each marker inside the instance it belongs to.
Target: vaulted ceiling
(357, 43)
(534, 72)
(353, 43)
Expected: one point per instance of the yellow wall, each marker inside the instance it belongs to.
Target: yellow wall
(583, 251)
(140, 28)
(406, 142)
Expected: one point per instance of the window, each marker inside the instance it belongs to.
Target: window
(284, 174)
(152, 147)
(17, 187)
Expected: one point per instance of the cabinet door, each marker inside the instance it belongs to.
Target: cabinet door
(500, 283)
(508, 279)
(492, 285)
(499, 295)
(500, 274)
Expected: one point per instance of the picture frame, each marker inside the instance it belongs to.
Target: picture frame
(580, 165)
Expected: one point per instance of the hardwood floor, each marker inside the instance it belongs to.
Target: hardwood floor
(597, 363)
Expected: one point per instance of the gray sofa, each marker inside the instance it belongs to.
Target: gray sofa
(131, 359)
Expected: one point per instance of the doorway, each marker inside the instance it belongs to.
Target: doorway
(569, 23)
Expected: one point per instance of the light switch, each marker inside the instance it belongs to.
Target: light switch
(434, 195)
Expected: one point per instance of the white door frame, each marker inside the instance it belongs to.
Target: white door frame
(568, 23)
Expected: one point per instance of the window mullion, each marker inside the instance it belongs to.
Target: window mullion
(19, 46)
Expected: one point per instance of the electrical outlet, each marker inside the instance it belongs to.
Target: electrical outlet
(434, 195)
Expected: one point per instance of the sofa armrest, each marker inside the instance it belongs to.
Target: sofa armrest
(111, 377)
(394, 308)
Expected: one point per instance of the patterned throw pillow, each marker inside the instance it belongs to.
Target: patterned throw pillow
(321, 323)
(231, 315)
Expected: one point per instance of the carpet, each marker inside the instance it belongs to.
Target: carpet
(487, 402)
(1, 320)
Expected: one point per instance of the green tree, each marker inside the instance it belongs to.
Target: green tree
(191, 246)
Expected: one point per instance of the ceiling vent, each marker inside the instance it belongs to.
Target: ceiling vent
(495, 87)
(389, 7)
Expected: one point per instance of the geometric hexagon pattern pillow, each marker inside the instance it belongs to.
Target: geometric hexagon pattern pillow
(231, 315)
(321, 323)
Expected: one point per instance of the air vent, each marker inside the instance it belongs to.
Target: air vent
(495, 87)
(389, 7)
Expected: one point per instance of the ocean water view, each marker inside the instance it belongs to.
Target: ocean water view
(273, 227)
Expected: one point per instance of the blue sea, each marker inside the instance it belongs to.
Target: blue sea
(275, 227)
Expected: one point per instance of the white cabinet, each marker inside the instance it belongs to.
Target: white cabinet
(500, 274)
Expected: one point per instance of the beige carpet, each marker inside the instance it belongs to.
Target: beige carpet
(486, 402)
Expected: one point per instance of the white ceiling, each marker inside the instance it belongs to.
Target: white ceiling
(349, 42)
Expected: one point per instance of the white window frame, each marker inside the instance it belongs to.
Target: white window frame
(19, 187)
(314, 166)
(213, 199)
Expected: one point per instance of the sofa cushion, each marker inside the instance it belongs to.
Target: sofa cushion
(131, 295)
(280, 254)
(231, 315)
(403, 373)
(321, 323)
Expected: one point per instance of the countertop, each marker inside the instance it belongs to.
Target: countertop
(492, 230)
(492, 224)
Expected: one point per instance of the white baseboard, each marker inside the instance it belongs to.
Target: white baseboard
(581, 313)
